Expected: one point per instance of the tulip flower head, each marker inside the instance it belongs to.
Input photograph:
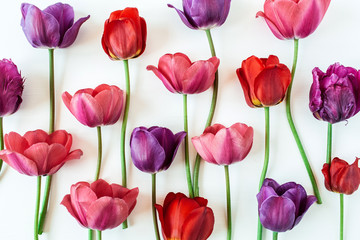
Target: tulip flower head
(95, 107)
(38, 153)
(154, 149)
(293, 19)
(185, 218)
(281, 207)
(335, 95)
(341, 177)
(124, 34)
(203, 14)
(264, 80)
(100, 205)
(53, 27)
(11, 85)
(180, 75)
(224, 146)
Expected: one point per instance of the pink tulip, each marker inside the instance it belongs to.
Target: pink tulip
(293, 19)
(100, 205)
(38, 153)
(95, 107)
(224, 146)
(180, 75)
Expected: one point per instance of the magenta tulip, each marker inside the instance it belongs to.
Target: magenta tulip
(95, 107)
(224, 146)
(293, 19)
(100, 205)
(38, 153)
(180, 75)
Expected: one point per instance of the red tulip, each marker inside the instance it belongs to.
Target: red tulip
(264, 80)
(38, 153)
(184, 218)
(341, 177)
(124, 34)
(100, 205)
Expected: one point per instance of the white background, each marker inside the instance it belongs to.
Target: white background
(84, 64)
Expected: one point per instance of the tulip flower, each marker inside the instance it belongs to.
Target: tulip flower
(293, 19)
(203, 14)
(180, 75)
(100, 205)
(194, 220)
(335, 95)
(38, 153)
(124, 34)
(264, 80)
(281, 207)
(53, 27)
(95, 107)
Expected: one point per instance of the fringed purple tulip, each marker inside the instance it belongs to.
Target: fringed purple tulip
(203, 14)
(11, 85)
(180, 75)
(224, 146)
(53, 27)
(154, 149)
(335, 95)
(281, 207)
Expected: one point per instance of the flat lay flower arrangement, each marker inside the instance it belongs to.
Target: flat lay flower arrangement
(193, 119)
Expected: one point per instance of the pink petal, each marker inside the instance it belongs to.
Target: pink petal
(203, 145)
(111, 101)
(62, 137)
(45, 156)
(15, 142)
(128, 195)
(19, 162)
(36, 136)
(213, 129)
(101, 188)
(163, 78)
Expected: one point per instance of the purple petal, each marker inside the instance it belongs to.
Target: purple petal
(285, 187)
(64, 14)
(298, 196)
(265, 193)
(304, 207)
(268, 182)
(315, 93)
(183, 18)
(72, 33)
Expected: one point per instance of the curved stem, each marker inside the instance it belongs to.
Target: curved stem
(90, 235)
(187, 163)
(275, 235)
(98, 235)
(341, 216)
(156, 227)
(123, 130)
(329, 143)
(97, 174)
(293, 129)
(37, 206)
(210, 116)
(1, 139)
(228, 202)
(260, 230)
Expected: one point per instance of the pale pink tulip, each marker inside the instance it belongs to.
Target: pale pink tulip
(180, 75)
(293, 19)
(100, 205)
(95, 107)
(38, 153)
(224, 146)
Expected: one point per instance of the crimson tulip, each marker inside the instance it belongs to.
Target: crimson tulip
(263, 80)
(124, 34)
(185, 218)
(341, 177)
(293, 19)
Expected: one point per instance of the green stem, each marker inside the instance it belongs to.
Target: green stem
(275, 235)
(341, 216)
(187, 163)
(156, 227)
(329, 143)
(99, 153)
(98, 235)
(210, 116)
(260, 230)
(293, 129)
(228, 201)
(37, 206)
(123, 130)
(1, 139)
(90, 235)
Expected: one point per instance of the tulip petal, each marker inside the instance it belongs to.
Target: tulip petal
(111, 101)
(15, 142)
(37, 136)
(76, 154)
(202, 216)
(304, 207)
(187, 21)
(71, 33)
(265, 193)
(63, 13)
(163, 78)
(271, 183)
(199, 77)
(19, 162)
(128, 195)
(203, 145)
(101, 188)
(61, 137)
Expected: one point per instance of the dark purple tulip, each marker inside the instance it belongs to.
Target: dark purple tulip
(11, 87)
(335, 95)
(52, 27)
(154, 149)
(203, 14)
(281, 207)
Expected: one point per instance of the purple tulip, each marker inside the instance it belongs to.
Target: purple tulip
(52, 27)
(203, 14)
(335, 95)
(154, 149)
(11, 85)
(281, 207)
